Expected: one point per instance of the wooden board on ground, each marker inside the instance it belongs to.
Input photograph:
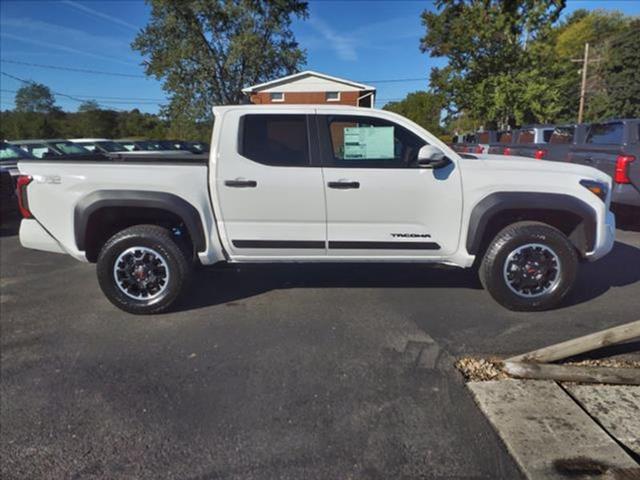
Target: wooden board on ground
(579, 345)
(573, 373)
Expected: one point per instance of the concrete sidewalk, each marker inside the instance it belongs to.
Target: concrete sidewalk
(555, 431)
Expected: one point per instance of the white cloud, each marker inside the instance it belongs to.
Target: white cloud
(63, 48)
(99, 14)
(343, 45)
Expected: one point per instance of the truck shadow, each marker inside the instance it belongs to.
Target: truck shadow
(619, 268)
(230, 283)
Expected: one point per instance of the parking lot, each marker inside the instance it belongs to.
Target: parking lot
(273, 371)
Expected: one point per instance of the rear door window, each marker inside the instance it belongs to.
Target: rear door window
(605, 133)
(505, 137)
(277, 140)
(526, 136)
(562, 135)
(483, 137)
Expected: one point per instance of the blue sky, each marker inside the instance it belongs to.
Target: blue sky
(367, 41)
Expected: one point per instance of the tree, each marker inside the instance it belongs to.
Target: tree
(567, 45)
(486, 45)
(620, 71)
(34, 97)
(88, 106)
(424, 108)
(206, 51)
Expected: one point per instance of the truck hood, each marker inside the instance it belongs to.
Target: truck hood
(524, 165)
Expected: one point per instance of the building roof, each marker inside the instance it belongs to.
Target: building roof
(301, 75)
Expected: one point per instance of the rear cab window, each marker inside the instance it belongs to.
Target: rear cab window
(484, 137)
(275, 139)
(505, 137)
(562, 135)
(526, 136)
(605, 133)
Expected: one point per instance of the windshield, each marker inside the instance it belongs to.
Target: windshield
(148, 145)
(71, 148)
(10, 152)
(109, 146)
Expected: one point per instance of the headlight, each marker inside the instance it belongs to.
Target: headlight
(597, 188)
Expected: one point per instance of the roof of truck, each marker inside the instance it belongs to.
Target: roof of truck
(295, 107)
(31, 141)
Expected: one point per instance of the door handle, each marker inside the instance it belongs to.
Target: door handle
(241, 183)
(343, 185)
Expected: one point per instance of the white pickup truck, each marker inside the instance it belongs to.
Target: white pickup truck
(311, 183)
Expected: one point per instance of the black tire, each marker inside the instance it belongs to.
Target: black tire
(508, 287)
(160, 246)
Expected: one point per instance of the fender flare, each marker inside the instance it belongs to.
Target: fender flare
(583, 237)
(142, 199)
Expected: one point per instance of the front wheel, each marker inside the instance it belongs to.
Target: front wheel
(142, 269)
(529, 266)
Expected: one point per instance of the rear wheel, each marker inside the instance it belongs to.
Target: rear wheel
(529, 266)
(142, 269)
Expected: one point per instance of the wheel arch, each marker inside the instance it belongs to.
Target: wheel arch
(101, 212)
(572, 216)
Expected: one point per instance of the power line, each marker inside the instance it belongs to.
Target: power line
(71, 97)
(395, 80)
(106, 99)
(71, 69)
(117, 74)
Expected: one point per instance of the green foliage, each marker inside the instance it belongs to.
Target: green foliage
(206, 51)
(485, 43)
(424, 108)
(89, 106)
(620, 71)
(94, 123)
(510, 62)
(35, 97)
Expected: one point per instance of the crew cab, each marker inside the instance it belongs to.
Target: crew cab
(316, 183)
(614, 147)
(531, 141)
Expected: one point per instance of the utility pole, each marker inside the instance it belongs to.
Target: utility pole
(583, 87)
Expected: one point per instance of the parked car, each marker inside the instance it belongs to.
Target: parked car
(559, 144)
(614, 148)
(101, 145)
(199, 147)
(139, 145)
(461, 142)
(322, 184)
(9, 156)
(530, 141)
(53, 148)
(504, 140)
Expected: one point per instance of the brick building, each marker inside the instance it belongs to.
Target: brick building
(312, 87)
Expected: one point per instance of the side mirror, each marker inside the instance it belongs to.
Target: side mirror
(432, 157)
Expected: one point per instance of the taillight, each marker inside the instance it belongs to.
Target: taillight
(21, 193)
(479, 149)
(622, 168)
(540, 153)
(506, 151)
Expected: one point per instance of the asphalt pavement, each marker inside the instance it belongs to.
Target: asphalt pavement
(269, 371)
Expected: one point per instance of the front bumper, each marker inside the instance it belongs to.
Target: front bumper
(605, 239)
